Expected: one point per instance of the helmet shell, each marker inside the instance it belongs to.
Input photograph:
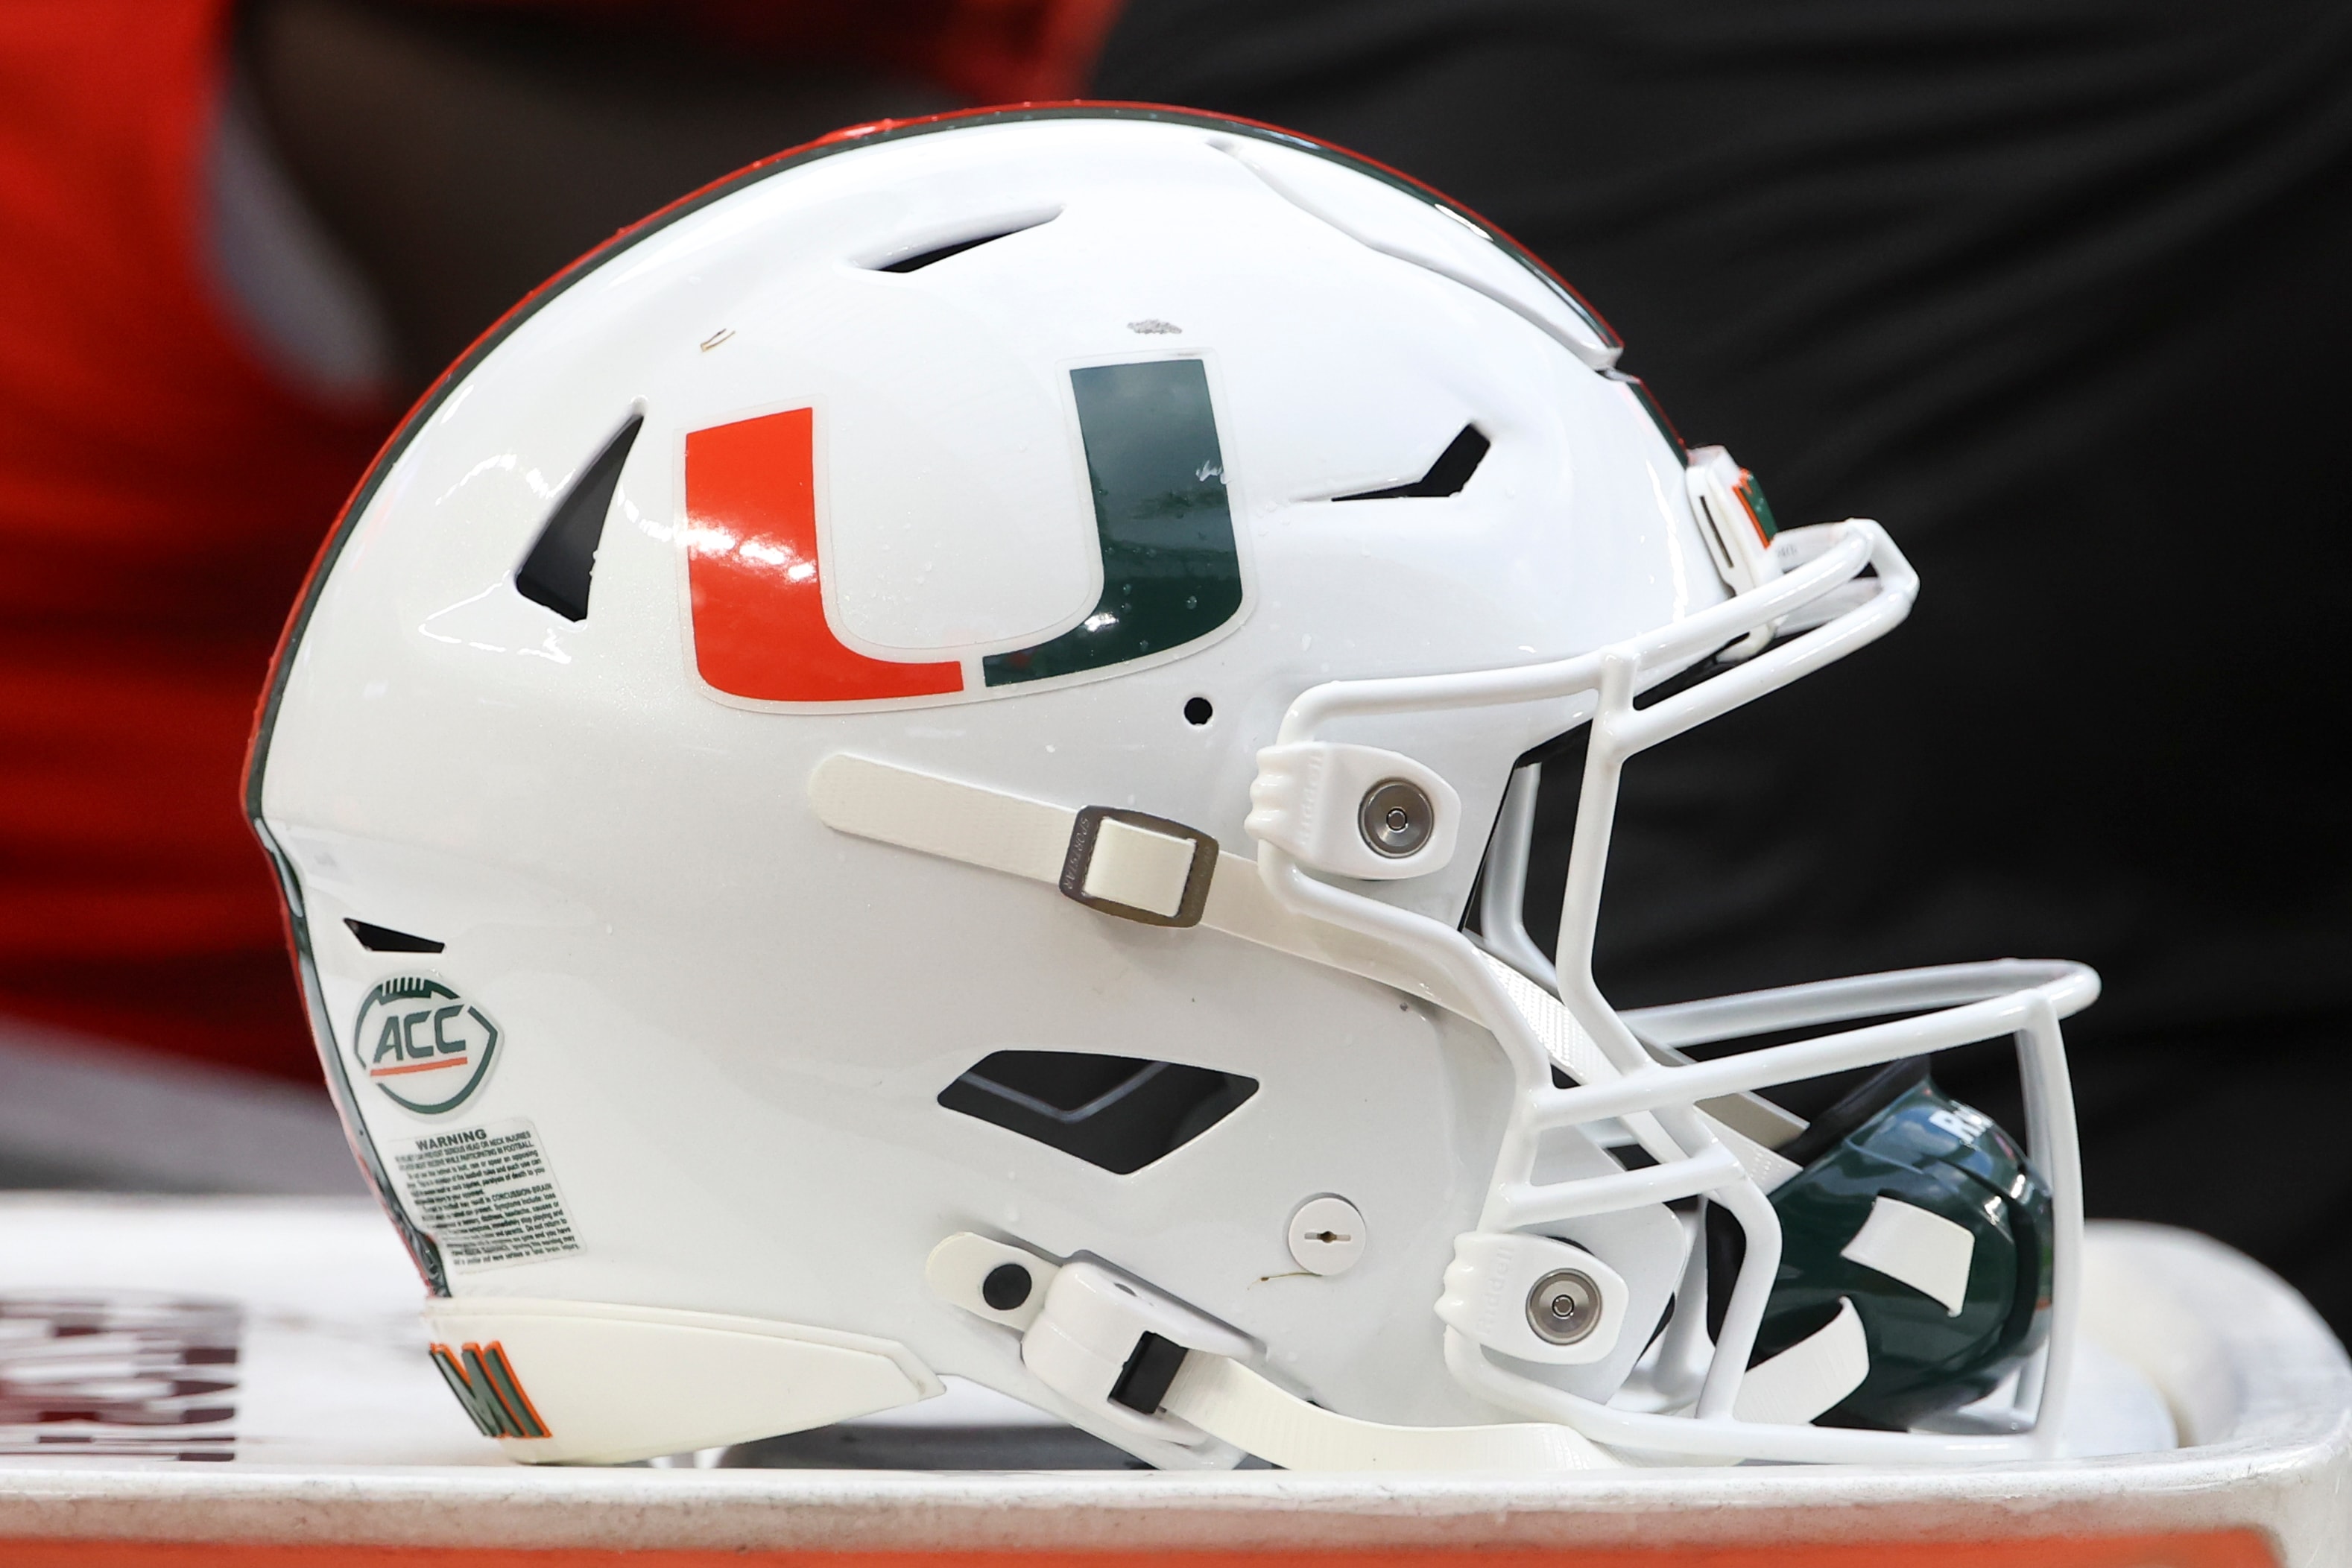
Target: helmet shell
(725, 1029)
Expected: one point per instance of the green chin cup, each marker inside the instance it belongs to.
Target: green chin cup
(1902, 1138)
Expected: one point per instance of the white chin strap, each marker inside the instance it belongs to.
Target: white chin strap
(1158, 872)
(1126, 863)
(1229, 1402)
(1143, 1366)
(1094, 1336)
(1234, 1404)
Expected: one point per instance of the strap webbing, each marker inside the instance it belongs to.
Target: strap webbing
(1227, 1400)
(946, 817)
(1810, 1377)
(987, 828)
(1733, 1117)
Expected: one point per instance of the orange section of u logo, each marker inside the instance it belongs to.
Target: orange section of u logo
(754, 579)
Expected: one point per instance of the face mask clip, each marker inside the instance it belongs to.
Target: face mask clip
(1735, 525)
(1354, 811)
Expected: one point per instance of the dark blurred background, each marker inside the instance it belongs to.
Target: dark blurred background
(2054, 289)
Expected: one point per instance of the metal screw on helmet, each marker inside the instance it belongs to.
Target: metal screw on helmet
(1564, 1307)
(1396, 818)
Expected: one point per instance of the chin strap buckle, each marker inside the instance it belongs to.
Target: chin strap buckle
(1110, 1344)
(1138, 867)
(1116, 1345)
(1144, 1363)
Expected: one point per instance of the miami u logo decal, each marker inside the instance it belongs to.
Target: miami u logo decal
(1170, 572)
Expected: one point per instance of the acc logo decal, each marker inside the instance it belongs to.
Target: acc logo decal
(423, 1044)
(1171, 571)
(485, 1383)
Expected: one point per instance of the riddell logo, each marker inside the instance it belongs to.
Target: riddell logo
(1170, 571)
(425, 1047)
(484, 1382)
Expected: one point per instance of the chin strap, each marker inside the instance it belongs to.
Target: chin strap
(1750, 1126)
(1124, 863)
(1156, 872)
(1229, 1402)
(1139, 1363)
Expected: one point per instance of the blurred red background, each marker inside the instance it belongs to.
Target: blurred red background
(164, 486)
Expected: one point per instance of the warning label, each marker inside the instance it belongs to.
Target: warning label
(486, 1194)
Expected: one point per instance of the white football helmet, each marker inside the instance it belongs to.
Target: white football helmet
(925, 766)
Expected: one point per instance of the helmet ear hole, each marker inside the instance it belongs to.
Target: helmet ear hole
(1198, 711)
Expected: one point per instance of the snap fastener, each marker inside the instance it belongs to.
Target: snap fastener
(1564, 1307)
(1396, 818)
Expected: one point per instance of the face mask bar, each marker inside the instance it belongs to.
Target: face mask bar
(1823, 599)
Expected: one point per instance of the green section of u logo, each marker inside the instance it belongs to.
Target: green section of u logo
(1170, 571)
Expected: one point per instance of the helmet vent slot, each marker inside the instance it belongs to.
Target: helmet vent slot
(1119, 1112)
(1447, 477)
(562, 560)
(384, 939)
(933, 255)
